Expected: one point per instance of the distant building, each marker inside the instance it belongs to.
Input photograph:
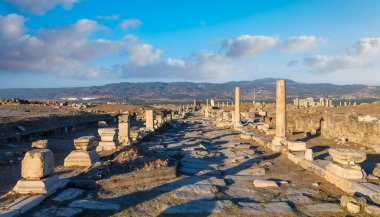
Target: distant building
(309, 102)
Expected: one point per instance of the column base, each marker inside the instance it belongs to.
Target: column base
(43, 186)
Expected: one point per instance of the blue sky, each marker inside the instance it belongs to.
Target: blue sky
(64, 43)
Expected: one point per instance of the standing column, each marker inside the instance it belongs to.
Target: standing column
(237, 105)
(149, 120)
(281, 109)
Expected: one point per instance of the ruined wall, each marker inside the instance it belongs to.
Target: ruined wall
(340, 126)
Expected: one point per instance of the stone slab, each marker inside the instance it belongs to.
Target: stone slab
(345, 171)
(347, 156)
(262, 183)
(68, 194)
(274, 208)
(324, 207)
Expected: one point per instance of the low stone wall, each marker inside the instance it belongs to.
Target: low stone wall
(43, 127)
(339, 126)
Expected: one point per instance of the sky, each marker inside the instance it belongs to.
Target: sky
(69, 43)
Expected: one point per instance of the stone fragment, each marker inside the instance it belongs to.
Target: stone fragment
(347, 156)
(102, 124)
(260, 183)
(37, 164)
(40, 144)
(245, 136)
(345, 171)
(309, 154)
(84, 143)
(353, 207)
(95, 205)
(296, 146)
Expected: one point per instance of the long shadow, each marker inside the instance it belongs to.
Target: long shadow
(370, 163)
(150, 194)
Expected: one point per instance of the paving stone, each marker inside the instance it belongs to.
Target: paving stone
(373, 210)
(68, 194)
(199, 189)
(198, 207)
(193, 196)
(58, 212)
(278, 208)
(241, 192)
(96, 205)
(324, 207)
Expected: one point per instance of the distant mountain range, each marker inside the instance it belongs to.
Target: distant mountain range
(181, 92)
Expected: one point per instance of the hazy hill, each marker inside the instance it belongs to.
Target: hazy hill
(161, 92)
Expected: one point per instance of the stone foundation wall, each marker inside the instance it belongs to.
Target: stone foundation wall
(338, 126)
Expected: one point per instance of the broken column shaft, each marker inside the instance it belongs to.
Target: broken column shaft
(281, 109)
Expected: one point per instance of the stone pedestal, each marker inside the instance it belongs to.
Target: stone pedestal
(108, 139)
(85, 155)
(36, 171)
(81, 158)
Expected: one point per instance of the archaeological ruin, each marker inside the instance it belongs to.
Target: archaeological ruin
(207, 157)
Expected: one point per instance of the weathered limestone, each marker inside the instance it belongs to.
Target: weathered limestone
(108, 137)
(296, 146)
(85, 143)
(309, 154)
(347, 163)
(124, 135)
(280, 114)
(37, 164)
(36, 171)
(149, 120)
(237, 106)
(84, 156)
(347, 156)
(40, 144)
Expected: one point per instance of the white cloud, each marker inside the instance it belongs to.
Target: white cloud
(175, 62)
(40, 7)
(300, 43)
(130, 23)
(11, 26)
(323, 63)
(140, 53)
(365, 55)
(110, 17)
(248, 45)
(368, 46)
(64, 51)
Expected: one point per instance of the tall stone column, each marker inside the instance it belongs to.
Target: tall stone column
(124, 130)
(149, 120)
(281, 108)
(237, 106)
